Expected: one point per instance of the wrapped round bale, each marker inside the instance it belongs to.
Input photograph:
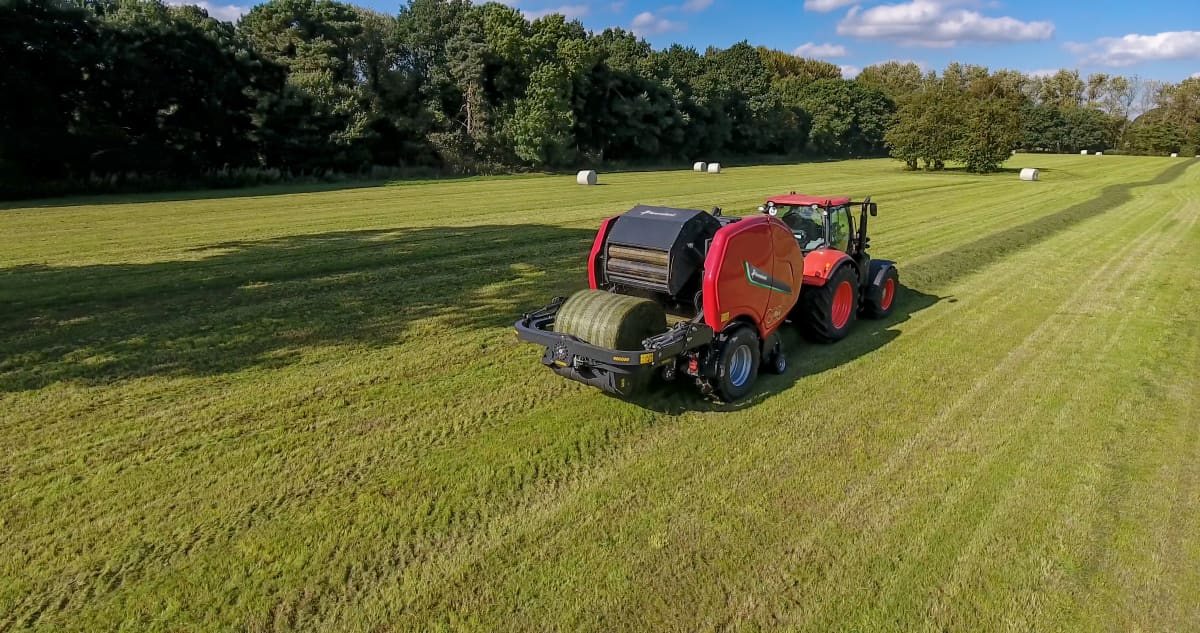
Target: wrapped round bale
(714, 168)
(699, 166)
(1029, 174)
(610, 320)
(587, 177)
(1174, 154)
(1099, 153)
(1083, 152)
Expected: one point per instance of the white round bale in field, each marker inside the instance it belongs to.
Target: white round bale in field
(1174, 154)
(714, 168)
(699, 166)
(587, 177)
(1029, 173)
(1099, 153)
(1083, 152)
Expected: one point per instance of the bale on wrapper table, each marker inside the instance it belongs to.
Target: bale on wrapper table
(699, 166)
(610, 320)
(1029, 173)
(714, 168)
(586, 177)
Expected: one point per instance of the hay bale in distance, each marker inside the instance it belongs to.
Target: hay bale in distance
(1083, 152)
(1099, 153)
(1174, 154)
(699, 166)
(610, 320)
(587, 177)
(714, 168)
(1029, 173)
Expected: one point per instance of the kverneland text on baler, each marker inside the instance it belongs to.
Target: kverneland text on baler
(685, 291)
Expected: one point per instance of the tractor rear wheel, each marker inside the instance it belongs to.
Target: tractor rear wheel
(881, 299)
(737, 365)
(828, 311)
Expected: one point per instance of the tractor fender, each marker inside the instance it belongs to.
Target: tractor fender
(878, 269)
(821, 264)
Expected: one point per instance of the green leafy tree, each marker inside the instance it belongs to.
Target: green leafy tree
(895, 79)
(929, 126)
(848, 119)
(541, 126)
(782, 65)
(51, 54)
(991, 110)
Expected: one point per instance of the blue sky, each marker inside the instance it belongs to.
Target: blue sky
(1154, 39)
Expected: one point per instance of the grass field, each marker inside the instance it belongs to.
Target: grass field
(308, 411)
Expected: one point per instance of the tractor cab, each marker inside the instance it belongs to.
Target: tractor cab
(816, 222)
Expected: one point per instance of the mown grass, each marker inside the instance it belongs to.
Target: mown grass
(308, 411)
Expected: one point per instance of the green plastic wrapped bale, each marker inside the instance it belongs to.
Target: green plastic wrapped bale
(610, 320)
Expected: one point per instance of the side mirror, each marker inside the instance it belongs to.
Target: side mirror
(874, 209)
(716, 211)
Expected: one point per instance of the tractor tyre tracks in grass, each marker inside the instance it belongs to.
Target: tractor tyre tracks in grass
(478, 491)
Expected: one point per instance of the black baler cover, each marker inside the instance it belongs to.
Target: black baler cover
(670, 230)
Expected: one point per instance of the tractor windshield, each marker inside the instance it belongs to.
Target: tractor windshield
(807, 223)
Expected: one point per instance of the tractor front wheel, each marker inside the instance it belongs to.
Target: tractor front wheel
(737, 365)
(828, 311)
(880, 298)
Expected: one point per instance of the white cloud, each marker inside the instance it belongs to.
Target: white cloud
(849, 72)
(224, 12)
(618, 6)
(646, 23)
(1134, 49)
(1194, 76)
(696, 5)
(811, 49)
(938, 23)
(825, 6)
(1043, 72)
(568, 11)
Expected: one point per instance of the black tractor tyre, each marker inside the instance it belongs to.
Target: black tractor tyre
(820, 319)
(737, 364)
(880, 298)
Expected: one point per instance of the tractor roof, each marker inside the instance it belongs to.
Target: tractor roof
(800, 199)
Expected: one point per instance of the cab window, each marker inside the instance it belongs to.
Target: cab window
(840, 228)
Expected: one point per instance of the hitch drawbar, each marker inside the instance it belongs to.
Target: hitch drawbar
(619, 372)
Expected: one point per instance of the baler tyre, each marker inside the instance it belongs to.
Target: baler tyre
(828, 311)
(779, 363)
(881, 299)
(737, 365)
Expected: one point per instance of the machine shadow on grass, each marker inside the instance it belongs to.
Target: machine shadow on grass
(804, 359)
(239, 305)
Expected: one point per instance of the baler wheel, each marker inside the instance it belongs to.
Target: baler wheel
(827, 312)
(737, 365)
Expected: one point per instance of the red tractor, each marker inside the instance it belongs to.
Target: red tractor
(684, 291)
(840, 278)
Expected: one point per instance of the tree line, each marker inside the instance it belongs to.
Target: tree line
(105, 92)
